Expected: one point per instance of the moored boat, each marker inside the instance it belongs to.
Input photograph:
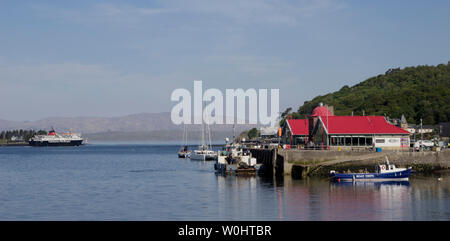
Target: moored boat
(236, 159)
(183, 152)
(203, 154)
(382, 173)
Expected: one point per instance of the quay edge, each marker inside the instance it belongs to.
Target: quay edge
(309, 163)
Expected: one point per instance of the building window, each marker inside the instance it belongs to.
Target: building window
(394, 140)
(348, 141)
(361, 141)
(333, 141)
(379, 141)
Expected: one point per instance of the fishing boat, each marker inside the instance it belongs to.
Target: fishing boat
(236, 159)
(183, 152)
(382, 173)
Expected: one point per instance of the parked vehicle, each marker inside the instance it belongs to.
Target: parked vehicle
(424, 144)
(427, 143)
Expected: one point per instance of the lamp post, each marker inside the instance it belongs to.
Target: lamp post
(328, 131)
(421, 135)
(279, 130)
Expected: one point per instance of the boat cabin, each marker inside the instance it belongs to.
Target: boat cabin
(385, 168)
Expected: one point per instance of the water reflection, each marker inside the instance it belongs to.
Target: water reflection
(368, 201)
(250, 198)
(375, 184)
(133, 182)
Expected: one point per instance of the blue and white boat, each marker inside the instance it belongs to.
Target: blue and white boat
(382, 173)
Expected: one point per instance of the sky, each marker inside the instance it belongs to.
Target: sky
(113, 58)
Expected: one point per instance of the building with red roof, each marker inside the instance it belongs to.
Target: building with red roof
(324, 129)
(296, 131)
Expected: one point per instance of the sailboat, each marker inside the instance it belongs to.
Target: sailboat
(183, 152)
(204, 152)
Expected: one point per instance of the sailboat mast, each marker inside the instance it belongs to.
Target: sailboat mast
(209, 136)
(185, 135)
(234, 132)
(203, 134)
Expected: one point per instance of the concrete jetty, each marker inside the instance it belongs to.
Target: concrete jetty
(304, 163)
(267, 157)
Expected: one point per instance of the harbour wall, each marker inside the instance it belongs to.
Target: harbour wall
(304, 163)
(268, 158)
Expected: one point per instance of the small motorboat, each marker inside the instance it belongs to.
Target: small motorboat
(382, 173)
(183, 152)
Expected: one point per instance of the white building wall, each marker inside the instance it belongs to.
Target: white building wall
(391, 141)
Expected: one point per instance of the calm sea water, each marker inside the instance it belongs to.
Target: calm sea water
(149, 182)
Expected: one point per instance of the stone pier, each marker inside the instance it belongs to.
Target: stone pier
(303, 163)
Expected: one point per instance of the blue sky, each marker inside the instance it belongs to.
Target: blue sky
(112, 58)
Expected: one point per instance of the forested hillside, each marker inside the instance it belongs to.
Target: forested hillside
(416, 92)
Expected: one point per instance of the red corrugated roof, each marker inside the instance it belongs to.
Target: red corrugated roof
(298, 126)
(360, 125)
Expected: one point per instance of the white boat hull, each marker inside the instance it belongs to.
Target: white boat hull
(203, 156)
(199, 157)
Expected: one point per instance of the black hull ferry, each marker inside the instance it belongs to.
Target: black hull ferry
(56, 139)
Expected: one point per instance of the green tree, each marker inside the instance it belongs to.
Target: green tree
(416, 92)
(253, 133)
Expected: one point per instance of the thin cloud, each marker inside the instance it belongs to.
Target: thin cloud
(254, 65)
(100, 13)
(259, 11)
(128, 10)
(76, 74)
(244, 12)
(57, 73)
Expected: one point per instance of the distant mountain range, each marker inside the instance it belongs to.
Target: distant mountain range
(140, 127)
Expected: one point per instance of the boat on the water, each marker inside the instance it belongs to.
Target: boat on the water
(236, 159)
(184, 152)
(382, 173)
(56, 139)
(204, 152)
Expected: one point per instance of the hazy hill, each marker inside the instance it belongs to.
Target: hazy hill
(417, 92)
(143, 126)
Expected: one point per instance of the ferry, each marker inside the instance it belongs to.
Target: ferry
(56, 139)
(382, 173)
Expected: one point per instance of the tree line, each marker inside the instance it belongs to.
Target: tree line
(421, 92)
(21, 134)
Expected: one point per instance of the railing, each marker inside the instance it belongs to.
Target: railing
(360, 148)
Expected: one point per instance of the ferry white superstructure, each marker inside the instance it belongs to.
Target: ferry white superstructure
(56, 139)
